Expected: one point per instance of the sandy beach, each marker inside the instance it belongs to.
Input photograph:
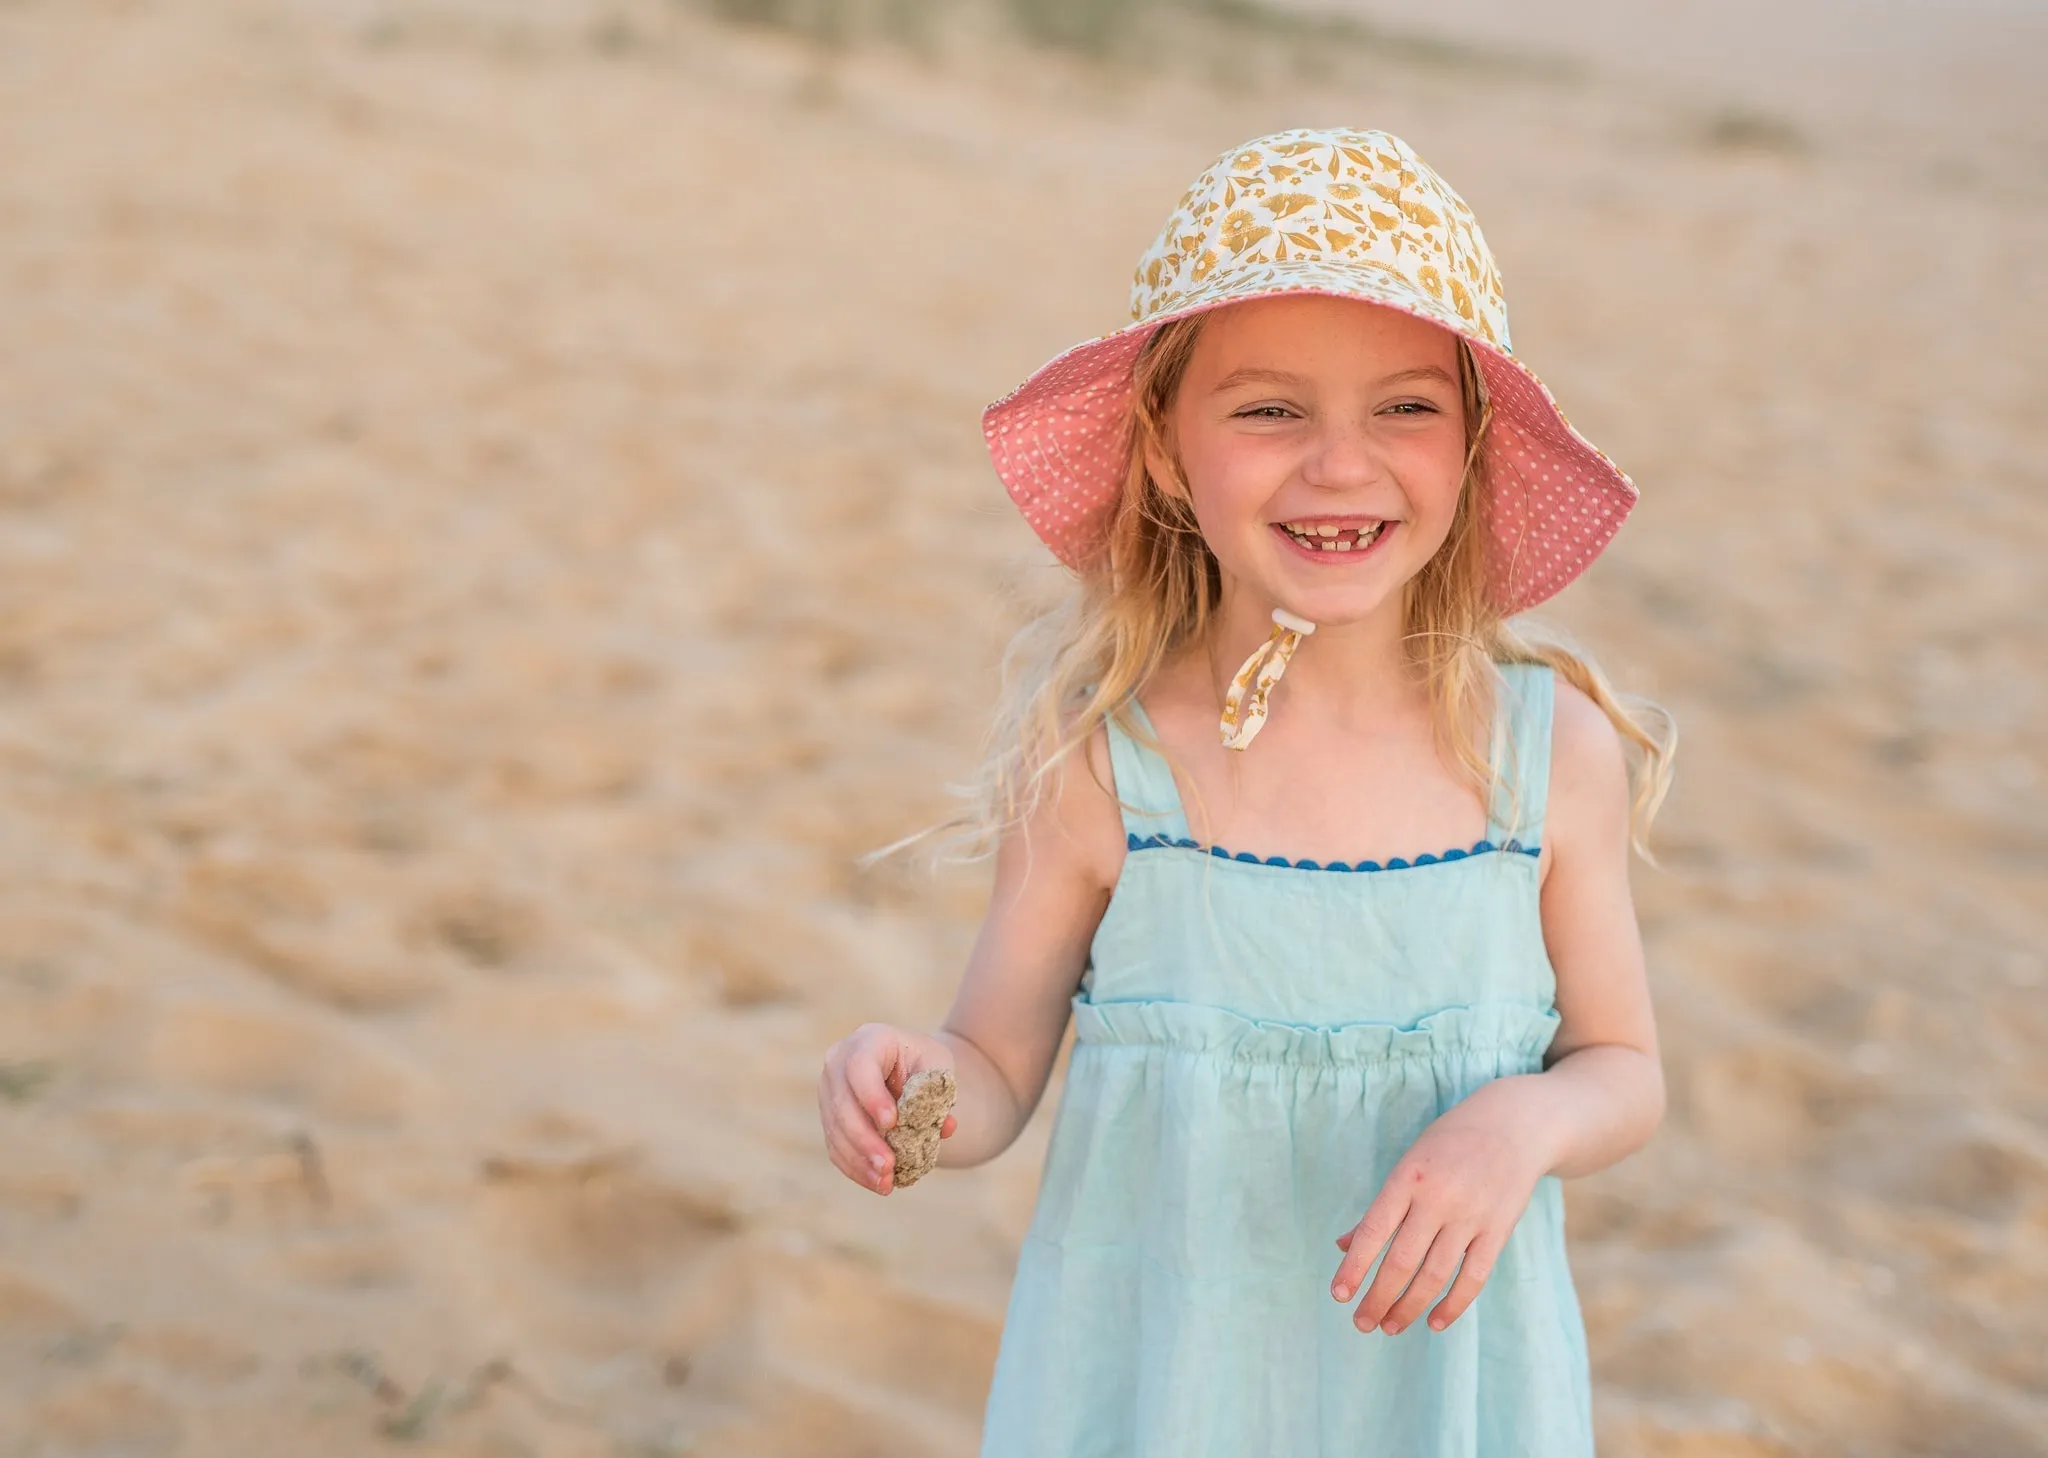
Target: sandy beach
(493, 522)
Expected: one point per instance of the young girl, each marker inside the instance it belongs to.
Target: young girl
(1353, 964)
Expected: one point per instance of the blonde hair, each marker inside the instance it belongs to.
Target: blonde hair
(1153, 585)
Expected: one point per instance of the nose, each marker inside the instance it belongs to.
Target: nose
(1342, 456)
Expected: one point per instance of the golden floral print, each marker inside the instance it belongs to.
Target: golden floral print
(1241, 232)
(1325, 210)
(1244, 705)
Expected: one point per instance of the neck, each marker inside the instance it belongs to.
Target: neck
(1345, 673)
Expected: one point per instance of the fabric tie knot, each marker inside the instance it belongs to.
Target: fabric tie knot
(1244, 706)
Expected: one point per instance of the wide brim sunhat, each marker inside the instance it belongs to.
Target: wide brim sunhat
(1350, 214)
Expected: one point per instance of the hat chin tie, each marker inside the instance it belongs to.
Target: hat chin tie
(1244, 706)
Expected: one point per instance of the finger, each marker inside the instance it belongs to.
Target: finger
(1437, 1269)
(1411, 1243)
(856, 1166)
(946, 1129)
(1382, 1217)
(874, 1161)
(1471, 1279)
(828, 1118)
(858, 1130)
(867, 1070)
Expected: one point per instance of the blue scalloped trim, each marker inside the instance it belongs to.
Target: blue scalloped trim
(1136, 842)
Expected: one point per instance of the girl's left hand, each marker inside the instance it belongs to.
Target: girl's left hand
(1454, 1196)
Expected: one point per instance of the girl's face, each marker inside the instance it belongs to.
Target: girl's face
(1323, 443)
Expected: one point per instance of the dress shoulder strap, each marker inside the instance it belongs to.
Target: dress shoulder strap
(1145, 790)
(1521, 753)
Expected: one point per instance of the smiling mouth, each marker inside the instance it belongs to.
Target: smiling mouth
(1332, 537)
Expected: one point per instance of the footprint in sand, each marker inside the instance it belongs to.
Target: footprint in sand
(591, 1214)
(1769, 1101)
(581, 1251)
(349, 1261)
(106, 1415)
(856, 1363)
(317, 926)
(31, 1315)
(1988, 1174)
(187, 1355)
(33, 1197)
(277, 1184)
(751, 955)
(485, 928)
(287, 1060)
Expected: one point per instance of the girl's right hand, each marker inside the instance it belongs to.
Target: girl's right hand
(857, 1092)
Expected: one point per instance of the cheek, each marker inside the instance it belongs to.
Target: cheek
(1231, 478)
(1430, 473)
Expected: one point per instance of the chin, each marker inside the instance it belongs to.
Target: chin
(1351, 613)
(1335, 609)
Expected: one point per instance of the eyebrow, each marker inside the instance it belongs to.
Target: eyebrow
(1254, 374)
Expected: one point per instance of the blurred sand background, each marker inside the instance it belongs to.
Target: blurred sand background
(493, 521)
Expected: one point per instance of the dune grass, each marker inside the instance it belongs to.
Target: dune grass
(1110, 29)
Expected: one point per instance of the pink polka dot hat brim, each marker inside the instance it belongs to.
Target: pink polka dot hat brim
(1061, 442)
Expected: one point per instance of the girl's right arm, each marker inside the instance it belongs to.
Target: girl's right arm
(1053, 877)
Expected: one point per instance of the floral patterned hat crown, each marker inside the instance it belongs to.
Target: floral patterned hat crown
(1267, 214)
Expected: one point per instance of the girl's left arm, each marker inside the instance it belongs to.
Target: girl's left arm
(1452, 1200)
(1601, 1094)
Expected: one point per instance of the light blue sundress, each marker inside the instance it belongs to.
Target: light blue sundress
(1256, 1042)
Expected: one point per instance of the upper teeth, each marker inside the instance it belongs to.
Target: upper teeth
(1324, 534)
